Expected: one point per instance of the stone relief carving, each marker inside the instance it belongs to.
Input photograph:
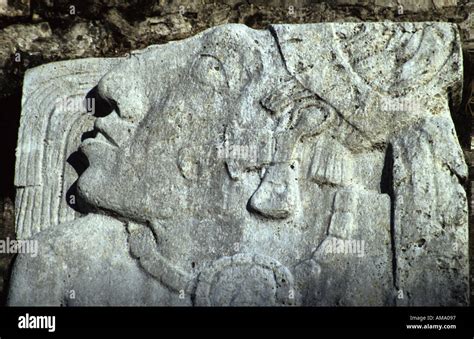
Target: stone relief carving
(310, 164)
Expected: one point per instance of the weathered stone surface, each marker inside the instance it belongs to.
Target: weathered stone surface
(55, 116)
(299, 165)
(14, 8)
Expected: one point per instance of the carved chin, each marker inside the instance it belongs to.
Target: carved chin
(101, 157)
(87, 187)
(94, 187)
(99, 189)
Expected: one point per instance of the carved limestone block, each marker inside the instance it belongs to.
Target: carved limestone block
(310, 164)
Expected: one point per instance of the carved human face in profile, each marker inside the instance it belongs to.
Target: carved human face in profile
(202, 144)
(158, 151)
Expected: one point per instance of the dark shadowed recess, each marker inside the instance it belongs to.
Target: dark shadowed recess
(9, 122)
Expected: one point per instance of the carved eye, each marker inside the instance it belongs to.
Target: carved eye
(209, 70)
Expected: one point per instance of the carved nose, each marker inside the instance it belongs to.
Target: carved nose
(125, 89)
(277, 194)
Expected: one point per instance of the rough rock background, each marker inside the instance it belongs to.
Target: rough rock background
(41, 31)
